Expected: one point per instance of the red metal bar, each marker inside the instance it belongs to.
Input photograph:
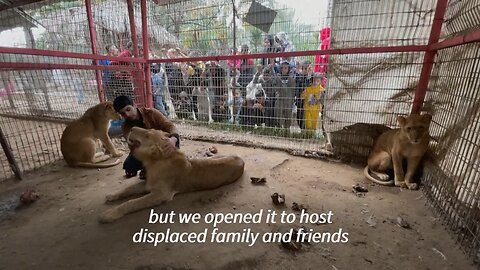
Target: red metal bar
(412, 48)
(146, 67)
(33, 66)
(429, 57)
(93, 40)
(28, 51)
(137, 76)
(455, 41)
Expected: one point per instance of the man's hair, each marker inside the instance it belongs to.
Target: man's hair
(120, 102)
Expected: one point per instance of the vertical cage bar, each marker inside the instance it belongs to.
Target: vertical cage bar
(146, 53)
(137, 78)
(93, 40)
(9, 155)
(429, 57)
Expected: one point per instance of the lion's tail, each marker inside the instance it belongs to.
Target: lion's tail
(97, 165)
(369, 177)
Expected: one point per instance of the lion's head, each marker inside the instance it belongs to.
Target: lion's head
(147, 144)
(109, 111)
(415, 126)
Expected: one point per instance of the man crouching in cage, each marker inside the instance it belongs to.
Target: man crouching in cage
(144, 118)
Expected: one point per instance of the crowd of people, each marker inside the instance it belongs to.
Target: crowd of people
(272, 92)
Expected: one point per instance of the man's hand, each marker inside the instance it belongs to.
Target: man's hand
(169, 148)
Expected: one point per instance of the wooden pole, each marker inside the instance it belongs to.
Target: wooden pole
(10, 157)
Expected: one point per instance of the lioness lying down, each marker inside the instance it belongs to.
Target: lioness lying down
(409, 142)
(79, 137)
(167, 176)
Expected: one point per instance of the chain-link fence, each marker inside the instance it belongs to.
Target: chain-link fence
(261, 73)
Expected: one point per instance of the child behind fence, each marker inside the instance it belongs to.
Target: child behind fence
(237, 103)
(313, 98)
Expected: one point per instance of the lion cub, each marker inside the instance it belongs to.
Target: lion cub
(78, 138)
(409, 142)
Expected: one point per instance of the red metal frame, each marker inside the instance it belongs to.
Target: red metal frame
(412, 48)
(138, 75)
(53, 53)
(146, 54)
(429, 57)
(32, 66)
(144, 73)
(93, 39)
(455, 41)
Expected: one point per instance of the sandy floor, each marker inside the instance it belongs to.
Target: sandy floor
(60, 230)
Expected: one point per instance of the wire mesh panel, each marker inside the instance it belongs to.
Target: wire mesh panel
(298, 101)
(271, 101)
(367, 88)
(227, 94)
(215, 27)
(34, 106)
(454, 187)
(381, 23)
(461, 17)
(372, 88)
(58, 26)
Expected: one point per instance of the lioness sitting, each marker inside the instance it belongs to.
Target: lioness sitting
(167, 176)
(409, 142)
(78, 138)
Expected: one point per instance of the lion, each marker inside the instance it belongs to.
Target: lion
(167, 176)
(409, 142)
(79, 138)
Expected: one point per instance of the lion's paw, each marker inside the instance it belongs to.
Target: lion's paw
(401, 184)
(118, 153)
(412, 186)
(109, 216)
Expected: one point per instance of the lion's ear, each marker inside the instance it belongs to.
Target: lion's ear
(108, 105)
(401, 121)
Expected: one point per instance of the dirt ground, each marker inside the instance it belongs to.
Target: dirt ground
(61, 231)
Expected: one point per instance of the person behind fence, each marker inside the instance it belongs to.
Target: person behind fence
(258, 108)
(313, 96)
(215, 82)
(285, 95)
(195, 82)
(157, 73)
(270, 84)
(122, 80)
(184, 106)
(252, 115)
(269, 46)
(246, 68)
(285, 45)
(144, 118)
(174, 74)
(303, 79)
(107, 75)
(223, 105)
(234, 67)
(237, 102)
